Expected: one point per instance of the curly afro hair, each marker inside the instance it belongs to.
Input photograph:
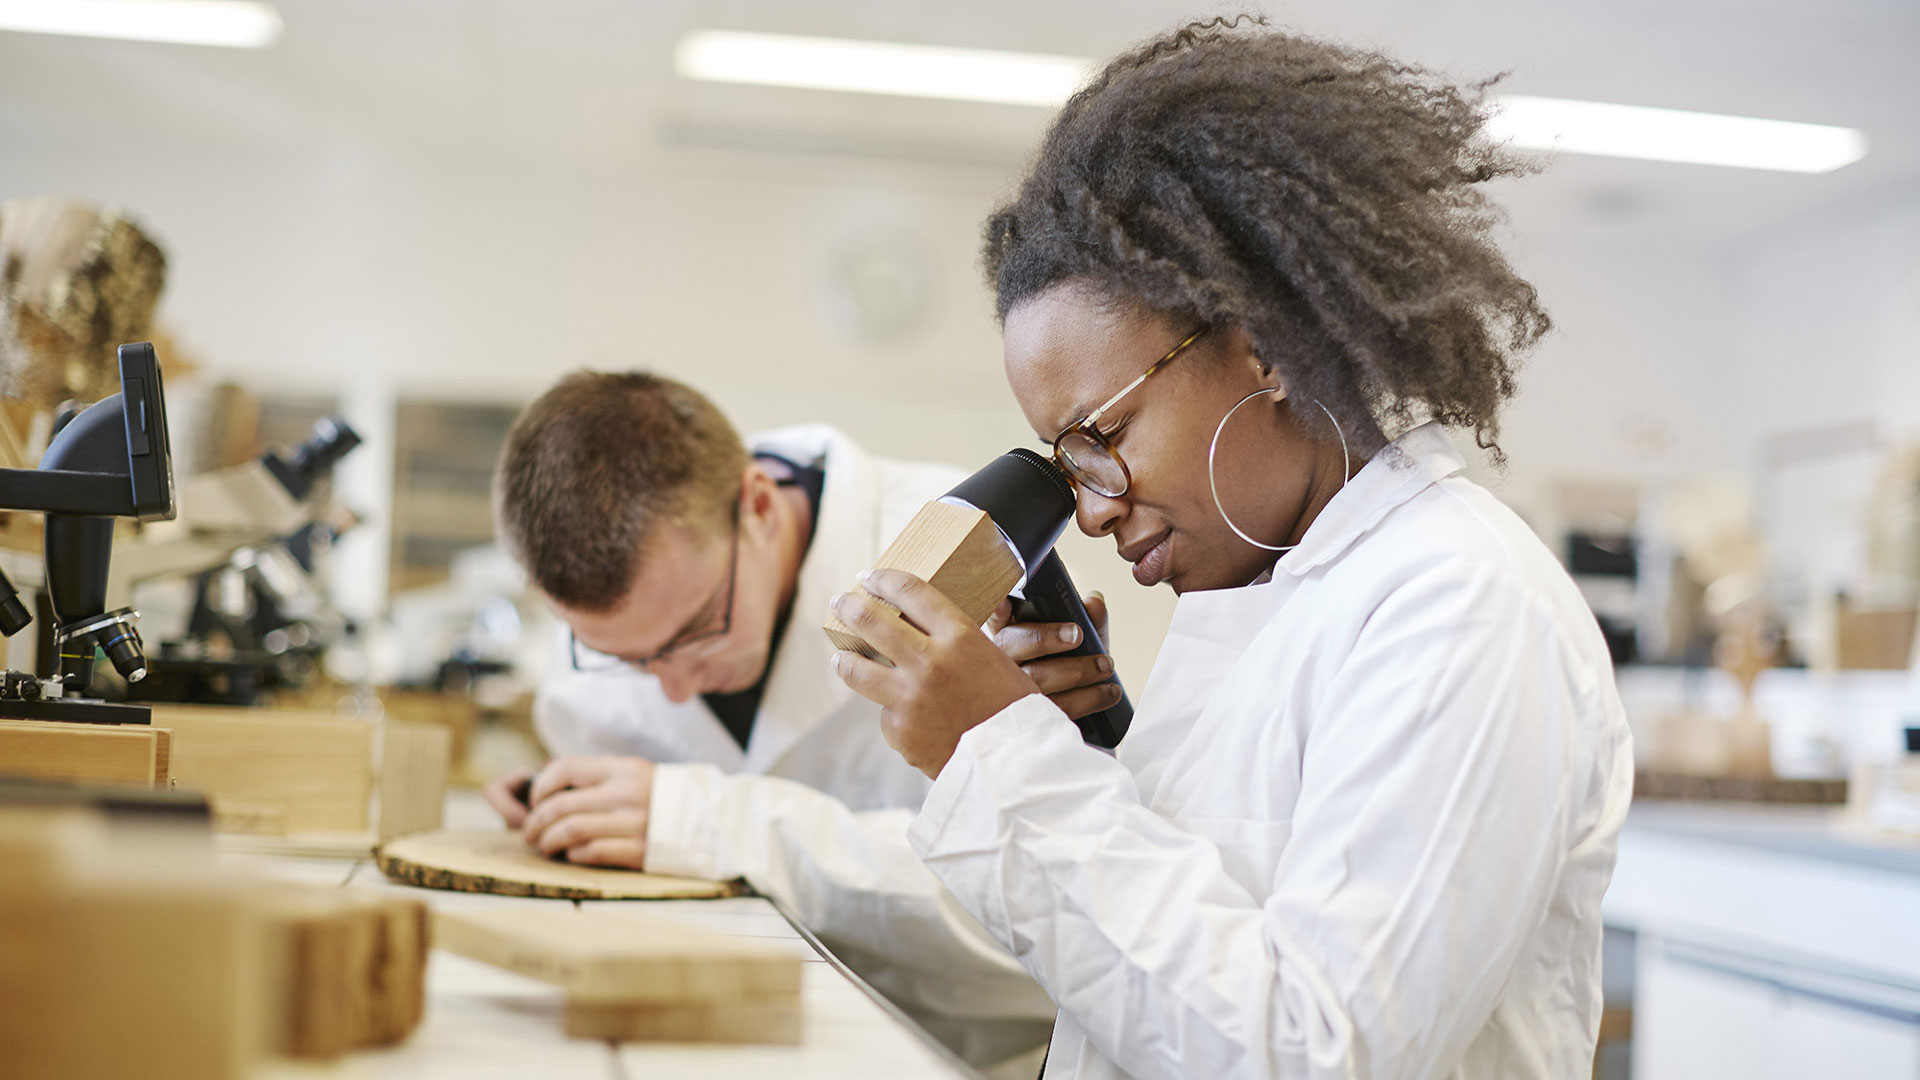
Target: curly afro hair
(1326, 199)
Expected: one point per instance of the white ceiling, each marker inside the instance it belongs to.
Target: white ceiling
(587, 82)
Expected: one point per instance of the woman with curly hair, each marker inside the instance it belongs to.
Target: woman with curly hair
(1367, 808)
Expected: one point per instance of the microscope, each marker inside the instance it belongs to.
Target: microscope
(109, 460)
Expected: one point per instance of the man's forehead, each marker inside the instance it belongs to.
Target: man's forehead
(670, 586)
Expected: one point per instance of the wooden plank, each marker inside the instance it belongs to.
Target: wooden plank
(772, 1021)
(119, 956)
(413, 777)
(130, 754)
(956, 549)
(499, 862)
(627, 960)
(315, 767)
(354, 964)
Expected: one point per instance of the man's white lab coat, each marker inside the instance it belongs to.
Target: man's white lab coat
(1360, 827)
(814, 812)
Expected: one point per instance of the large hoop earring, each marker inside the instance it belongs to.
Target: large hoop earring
(1346, 466)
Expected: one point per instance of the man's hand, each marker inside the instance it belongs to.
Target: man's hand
(1077, 684)
(592, 809)
(502, 794)
(946, 676)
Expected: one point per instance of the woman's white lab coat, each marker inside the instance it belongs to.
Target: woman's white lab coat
(814, 811)
(1360, 827)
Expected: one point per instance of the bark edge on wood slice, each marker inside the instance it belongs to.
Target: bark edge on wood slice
(500, 862)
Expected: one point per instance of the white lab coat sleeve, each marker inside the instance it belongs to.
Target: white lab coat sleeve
(1432, 822)
(849, 877)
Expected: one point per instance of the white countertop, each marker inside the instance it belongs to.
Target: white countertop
(482, 1021)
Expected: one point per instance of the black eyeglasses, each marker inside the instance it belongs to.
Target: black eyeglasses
(588, 659)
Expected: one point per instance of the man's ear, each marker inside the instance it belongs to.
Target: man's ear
(758, 491)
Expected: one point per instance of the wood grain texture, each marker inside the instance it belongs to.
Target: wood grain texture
(354, 965)
(315, 767)
(956, 549)
(129, 754)
(632, 959)
(499, 862)
(769, 1021)
(413, 777)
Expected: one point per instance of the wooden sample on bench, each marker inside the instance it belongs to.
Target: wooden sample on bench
(137, 755)
(271, 771)
(414, 759)
(773, 1020)
(354, 963)
(597, 957)
(956, 549)
(638, 978)
(500, 862)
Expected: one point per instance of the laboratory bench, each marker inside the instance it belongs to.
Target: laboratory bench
(1767, 941)
(483, 1021)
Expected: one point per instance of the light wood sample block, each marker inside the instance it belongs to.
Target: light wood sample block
(498, 861)
(139, 755)
(120, 961)
(630, 959)
(638, 978)
(126, 950)
(414, 759)
(271, 771)
(354, 963)
(773, 1020)
(956, 549)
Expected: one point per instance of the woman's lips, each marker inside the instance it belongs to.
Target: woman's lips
(1151, 568)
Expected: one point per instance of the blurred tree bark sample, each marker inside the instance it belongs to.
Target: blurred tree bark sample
(76, 282)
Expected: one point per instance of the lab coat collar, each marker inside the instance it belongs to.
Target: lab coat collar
(1404, 468)
(801, 689)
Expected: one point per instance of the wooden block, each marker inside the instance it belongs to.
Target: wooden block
(499, 862)
(770, 1021)
(131, 754)
(413, 777)
(124, 959)
(956, 549)
(354, 963)
(315, 766)
(627, 960)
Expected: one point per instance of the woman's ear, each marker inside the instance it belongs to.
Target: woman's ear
(1240, 344)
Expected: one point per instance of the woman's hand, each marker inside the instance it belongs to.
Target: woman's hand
(1077, 684)
(947, 675)
(592, 809)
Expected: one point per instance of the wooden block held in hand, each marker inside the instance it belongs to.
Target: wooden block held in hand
(629, 960)
(138, 755)
(956, 549)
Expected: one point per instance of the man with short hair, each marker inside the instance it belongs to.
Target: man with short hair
(697, 732)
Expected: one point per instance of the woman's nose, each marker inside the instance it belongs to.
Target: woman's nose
(1098, 514)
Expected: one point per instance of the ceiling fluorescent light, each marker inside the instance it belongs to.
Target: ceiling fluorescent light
(879, 67)
(233, 23)
(1633, 131)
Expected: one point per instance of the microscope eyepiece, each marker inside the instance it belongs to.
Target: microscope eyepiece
(14, 616)
(330, 440)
